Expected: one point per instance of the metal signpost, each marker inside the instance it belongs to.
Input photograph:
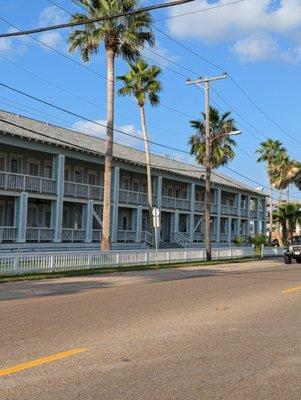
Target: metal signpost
(156, 225)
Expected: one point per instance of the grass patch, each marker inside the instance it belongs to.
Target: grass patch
(98, 271)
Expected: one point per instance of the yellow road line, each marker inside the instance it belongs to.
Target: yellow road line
(293, 289)
(40, 361)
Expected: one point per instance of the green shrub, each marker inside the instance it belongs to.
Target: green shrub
(238, 240)
(259, 240)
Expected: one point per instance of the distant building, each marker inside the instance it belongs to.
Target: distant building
(51, 191)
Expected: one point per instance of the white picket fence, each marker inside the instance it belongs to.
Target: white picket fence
(24, 263)
(272, 251)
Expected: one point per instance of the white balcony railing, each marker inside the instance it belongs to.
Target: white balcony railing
(80, 190)
(175, 203)
(244, 212)
(199, 206)
(224, 237)
(96, 235)
(8, 233)
(229, 210)
(73, 235)
(198, 237)
(39, 234)
(126, 236)
(131, 197)
(28, 183)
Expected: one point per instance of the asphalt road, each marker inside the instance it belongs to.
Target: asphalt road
(228, 332)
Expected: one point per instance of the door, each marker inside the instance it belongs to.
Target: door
(15, 164)
(165, 227)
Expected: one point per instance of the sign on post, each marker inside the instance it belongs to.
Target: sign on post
(156, 225)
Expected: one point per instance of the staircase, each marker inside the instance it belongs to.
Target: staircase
(97, 217)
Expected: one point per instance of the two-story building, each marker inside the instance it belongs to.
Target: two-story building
(51, 191)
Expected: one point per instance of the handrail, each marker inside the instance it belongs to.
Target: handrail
(180, 239)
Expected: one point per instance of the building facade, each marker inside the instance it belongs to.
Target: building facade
(51, 191)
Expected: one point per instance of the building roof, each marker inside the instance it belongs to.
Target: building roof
(31, 129)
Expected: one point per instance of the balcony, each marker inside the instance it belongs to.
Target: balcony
(131, 197)
(126, 236)
(8, 234)
(83, 191)
(199, 206)
(229, 210)
(175, 203)
(253, 214)
(27, 183)
(73, 235)
(39, 234)
(96, 235)
(244, 212)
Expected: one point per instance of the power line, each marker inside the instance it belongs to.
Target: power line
(232, 80)
(201, 10)
(88, 68)
(93, 20)
(59, 6)
(85, 118)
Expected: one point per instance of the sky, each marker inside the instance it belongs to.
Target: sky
(257, 42)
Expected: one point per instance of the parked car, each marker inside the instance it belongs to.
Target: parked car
(293, 251)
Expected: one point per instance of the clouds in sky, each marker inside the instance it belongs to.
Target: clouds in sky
(49, 16)
(92, 128)
(52, 16)
(253, 29)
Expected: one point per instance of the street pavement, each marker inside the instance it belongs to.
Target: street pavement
(218, 332)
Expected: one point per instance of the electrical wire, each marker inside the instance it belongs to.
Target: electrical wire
(93, 20)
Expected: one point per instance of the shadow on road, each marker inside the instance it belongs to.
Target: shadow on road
(67, 286)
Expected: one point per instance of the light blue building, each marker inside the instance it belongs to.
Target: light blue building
(51, 192)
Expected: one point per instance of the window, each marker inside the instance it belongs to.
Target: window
(170, 191)
(143, 186)
(2, 162)
(67, 174)
(65, 218)
(125, 183)
(178, 192)
(92, 178)
(48, 169)
(184, 193)
(15, 164)
(33, 167)
(78, 175)
(48, 219)
(32, 216)
(135, 185)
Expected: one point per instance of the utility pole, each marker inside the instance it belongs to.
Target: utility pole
(207, 83)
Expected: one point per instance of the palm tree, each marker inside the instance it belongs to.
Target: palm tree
(297, 178)
(141, 82)
(221, 143)
(122, 37)
(282, 172)
(267, 151)
(287, 215)
(221, 149)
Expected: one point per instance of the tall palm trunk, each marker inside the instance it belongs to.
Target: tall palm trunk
(271, 214)
(148, 166)
(106, 219)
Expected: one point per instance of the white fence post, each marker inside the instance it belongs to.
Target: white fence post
(262, 250)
